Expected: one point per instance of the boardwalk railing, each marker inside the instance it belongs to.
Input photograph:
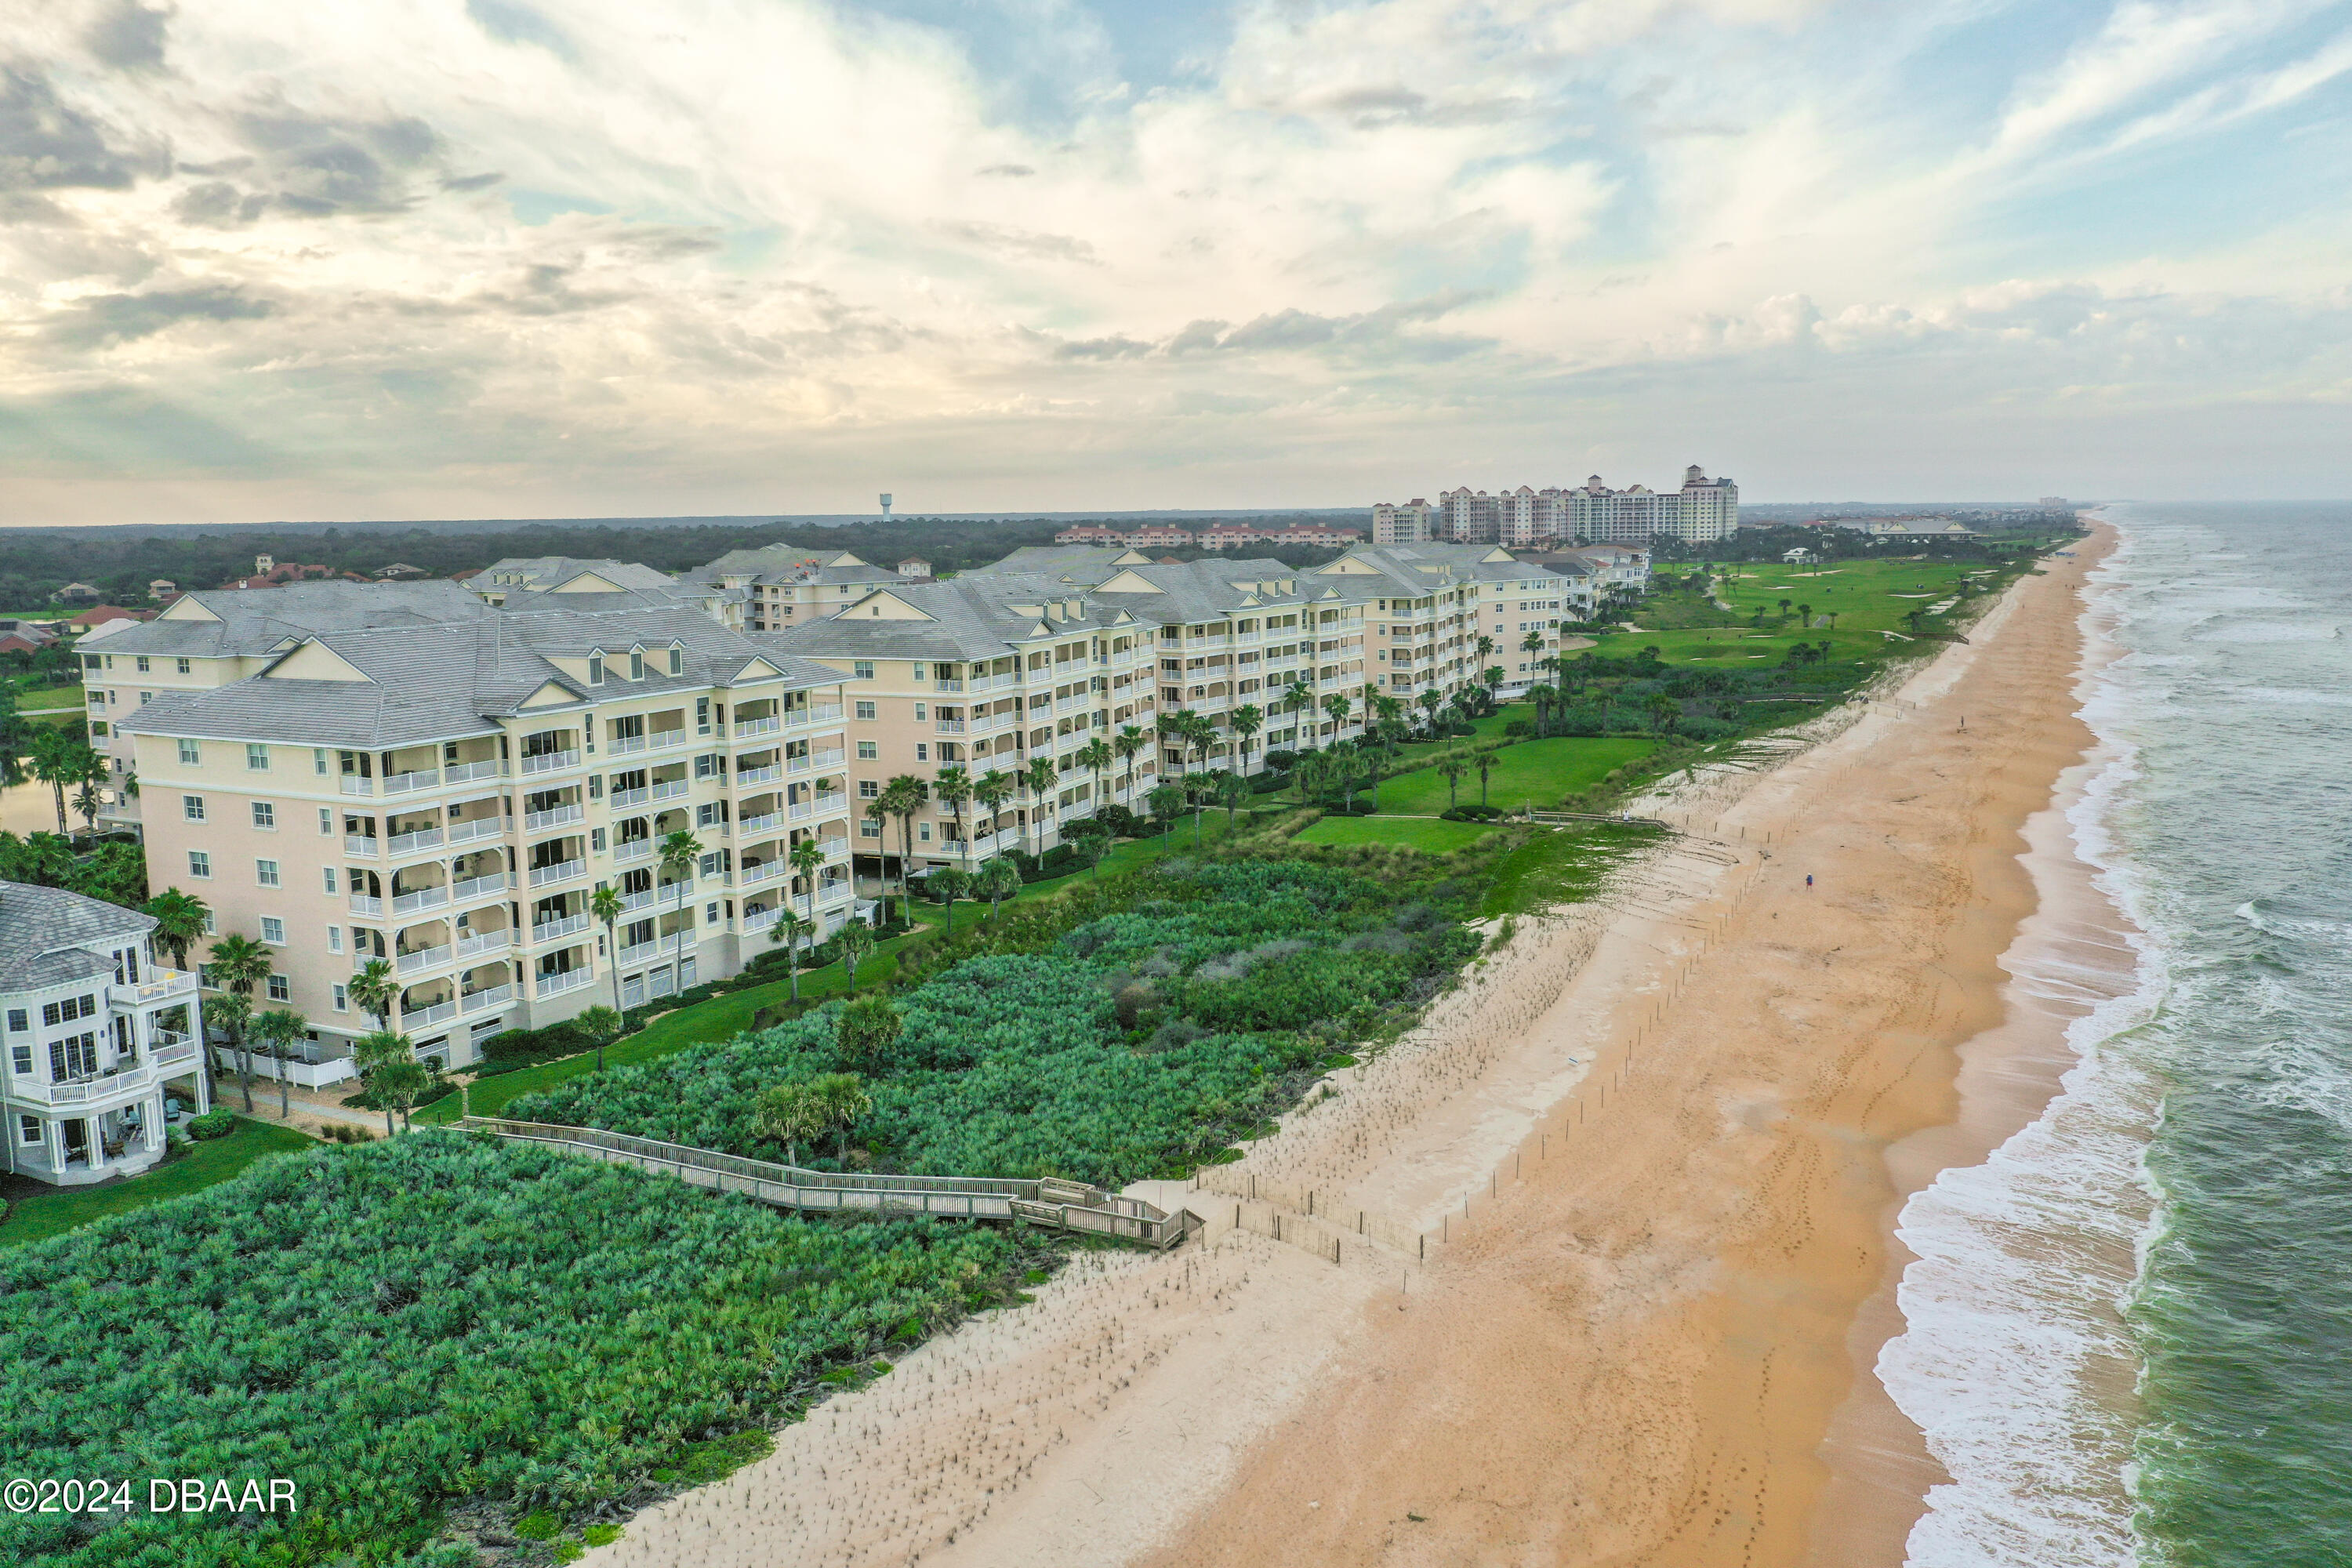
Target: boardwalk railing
(1066, 1206)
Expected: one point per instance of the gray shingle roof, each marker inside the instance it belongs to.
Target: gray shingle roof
(254, 621)
(971, 617)
(44, 934)
(442, 682)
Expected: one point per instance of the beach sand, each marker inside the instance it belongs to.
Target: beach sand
(1650, 1143)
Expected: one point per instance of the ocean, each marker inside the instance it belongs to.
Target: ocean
(2128, 1330)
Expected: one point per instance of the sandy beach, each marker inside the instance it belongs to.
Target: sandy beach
(1590, 1269)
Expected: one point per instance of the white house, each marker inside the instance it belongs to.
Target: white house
(93, 1028)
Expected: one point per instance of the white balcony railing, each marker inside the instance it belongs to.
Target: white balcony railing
(556, 930)
(625, 745)
(642, 952)
(161, 985)
(831, 759)
(638, 900)
(752, 827)
(663, 740)
(492, 996)
(170, 1047)
(766, 871)
(358, 843)
(409, 783)
(363, 905)
(466, 773)
(481, 827)
(479, 887)
(423, 899)
(414, 843)
(549, 761)
(814, 714)
(496, 941)
(747, 727)
(354, 784)
(419, 1017)
(421, 959)
(568, 980)
(759, 920)
(947, 726)
(749, 776)
(634, 849)
(564, 871)
(554, 816)
(799, 811)
(621, 799)
(671, 789)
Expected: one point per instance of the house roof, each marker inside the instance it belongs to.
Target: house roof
(228, 623)
(976, 615)
(46, 934)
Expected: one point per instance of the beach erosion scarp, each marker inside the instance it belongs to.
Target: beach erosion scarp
(1650, 1142)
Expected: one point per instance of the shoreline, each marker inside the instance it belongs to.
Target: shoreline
(1669, 1115)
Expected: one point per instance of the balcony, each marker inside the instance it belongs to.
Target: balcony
(752, 827)
(642, 952)
(621, 799)
(354, 784)
(481, 827)
(833, 893)
(634, 849)
(947, 726)
(949, 684)
(488, 942)
(555, 984)
(831, 759)
(564, 871)
(751, 727)
(759, 920)
(473, 887)
(663, 740)
(670, 790)
(492, 996)
(423, 899)
(556, 816)
(640, 901)
(815, 713)
(766, 871)
(799, 811)
(749, 776)
(409, 783)
(549, 761)
(556, 930)
(421, 959)
(625, 745)
(992, 682)
(161, 985)
(358, 843)
(415, 843)
(125, 1077)
(421, 1017)
(466, 773)
(170, 1048)
(363, 905)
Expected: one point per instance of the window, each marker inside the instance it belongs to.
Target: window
(19, 1020)
(676, 659)
(273, 930)
(870, 828)
(29, 1129)
(191, 754)
(265, 816)
(20, 1059)
(266, 873)
(596, 668)
(342, 1000)
(711, 913)
(923, 831)
(861, 669)
(256, 757)
(146, 698)
(185, 668)
(702, 715)
(867, 710)
(922, 750)
(192, 807)
(636, 663)
(328, 873)
(921, 713)
(709, 767)
(869, 789)
(319, 761)
(867, 751)
(326, 822)
(334, 938)
(199, 864)
(280, 988)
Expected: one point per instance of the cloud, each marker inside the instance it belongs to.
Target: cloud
(128, 36)
(121, 318)
(46, 143)
(1022, 244)
(510, 22)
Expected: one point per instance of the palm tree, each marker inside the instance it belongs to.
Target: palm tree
(1336, 705)
(843, 1098)
(604, 1025)
(903, 797)
(375, 988)
(1485, 648)
(387, 1063)
(1167, 802)
(605, 907)
(789, 1112)
(807, 857)
(1543, 696)
(1126, 743)
(228, 1015)
(992, 792)
(947, 884)
(1311, 773)
(999, 880)
(1042, 778)
(1430, 703)
(1784, 609)
(680, 849)
(86, 804)
(1300, 694)
(1199, 790)
(1247, 720)
(55, 761)
(1493, 678)
(791, 930)
(953, 788)
(856, 940)
(1832, 615)
(1532, 644)
(1485, 766)
(1451, 770)
(1804, 614)
(180, 919)
(276, 1031)
(239, 965)
(1232, 790)
(1094, 756)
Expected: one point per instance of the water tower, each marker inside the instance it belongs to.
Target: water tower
(886, 503)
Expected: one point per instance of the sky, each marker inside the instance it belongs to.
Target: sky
(512, 258)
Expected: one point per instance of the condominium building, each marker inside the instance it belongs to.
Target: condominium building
(1703, 511)
(563, 583)
(785, 586)
(1414, 522)
(96, 1030)
(1441, 615)
(446, 798)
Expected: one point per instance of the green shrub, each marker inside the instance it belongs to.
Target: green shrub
(215, 1124)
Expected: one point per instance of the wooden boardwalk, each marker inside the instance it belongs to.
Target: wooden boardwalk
(1070, 1206)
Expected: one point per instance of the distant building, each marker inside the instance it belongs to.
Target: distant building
(78, 592)
(1215, 536)
(10, 642)
(401, 569)
(914, 567)
(1906, 527)
(1703, 511)
(37, 633)
(161, 587)
(102, 613)
(1407, 524)
(270, 572)
(1801, 556)
(2055, 504)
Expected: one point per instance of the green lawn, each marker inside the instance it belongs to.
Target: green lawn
(1529, 772)
(1412, 832)
(35, 1212)
(51, 697)
(1864, 595)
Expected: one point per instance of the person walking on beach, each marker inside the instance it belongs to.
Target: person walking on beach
(1809, 878)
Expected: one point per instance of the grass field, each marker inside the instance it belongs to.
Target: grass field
(37, 1212)
(1412, 832)
(1535, 773)
(50, 697)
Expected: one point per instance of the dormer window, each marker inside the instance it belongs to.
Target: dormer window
(636, 663)
(596, 667)
(676, 659)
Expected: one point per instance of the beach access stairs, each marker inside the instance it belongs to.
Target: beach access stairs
(1072, 1207)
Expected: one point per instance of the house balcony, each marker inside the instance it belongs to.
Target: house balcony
(947, 726)
(746, 777)
(481, 827)
(161, 985)
(634, 849)
(670, 790)
(621, 799)
(124, 1081)
(562, 871)
(555, 984)
(766, 871)
(359, 844)
(417, 843)
(752, 827)
(550, 762)
(557, 930)
(423, 899)
(815, 713)
(354, 784)
(472, 888)
(625, 745)
(641, 901)
(363, 905)
(556, 816)
(497, 940)
(421, 960)
(466, 773)
(425, 1017)
(663, 740)
(644, 952)
(747, 728)
(410, 783)
(486, 999)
